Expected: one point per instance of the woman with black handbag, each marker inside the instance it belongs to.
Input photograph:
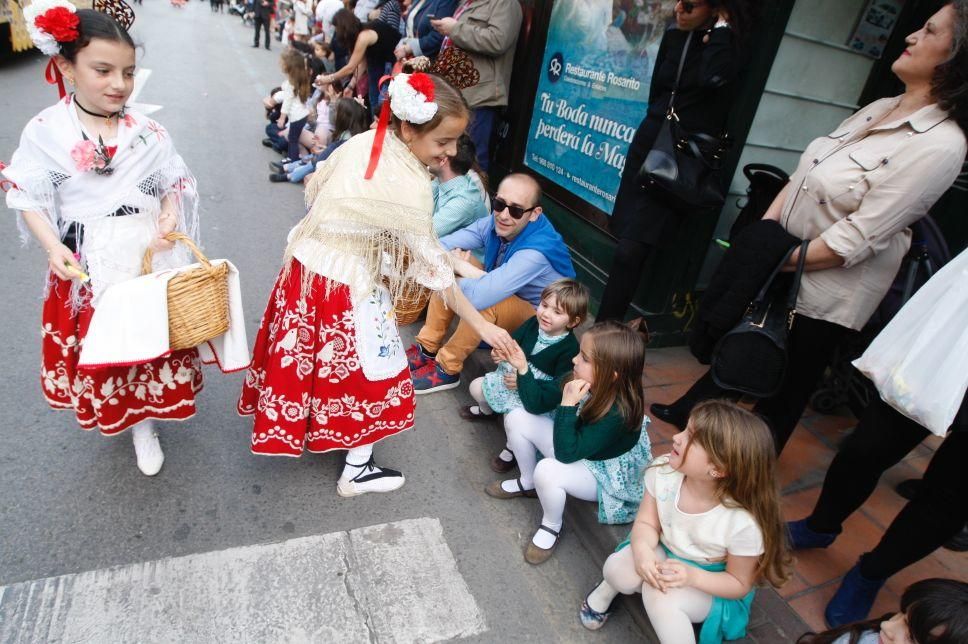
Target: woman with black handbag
(706, 69)
(853, 195)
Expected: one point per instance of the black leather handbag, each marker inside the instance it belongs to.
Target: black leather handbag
(752, 357)
(683, 169)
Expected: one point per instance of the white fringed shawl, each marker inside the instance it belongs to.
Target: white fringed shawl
(364, 233)
(145, 169)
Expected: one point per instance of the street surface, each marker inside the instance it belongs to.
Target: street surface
(223, 545)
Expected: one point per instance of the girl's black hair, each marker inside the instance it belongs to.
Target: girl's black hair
(94, 24)
(936, 609)
(346, 27)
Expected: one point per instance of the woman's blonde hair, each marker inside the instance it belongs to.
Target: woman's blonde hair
(295, 65)
(450, 102)
(740, 445)
(618, 360)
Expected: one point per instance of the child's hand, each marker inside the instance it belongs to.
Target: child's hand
(645, 567)
(497, 356)
(574, 392)
(166, 224)
(674, 574)
(511, 381)
(517, 359)
(59, 257)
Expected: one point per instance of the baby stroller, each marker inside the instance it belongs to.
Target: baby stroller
(843, 384)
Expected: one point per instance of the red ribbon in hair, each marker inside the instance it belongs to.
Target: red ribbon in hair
(54, 77)
(381, 132)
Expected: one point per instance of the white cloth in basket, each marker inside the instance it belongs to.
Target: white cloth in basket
(130, 325)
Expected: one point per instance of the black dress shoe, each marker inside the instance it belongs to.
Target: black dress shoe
(959, 542)
(278, 177)
(909, 488)
(668, 414)
(276, 166)
(268, 143)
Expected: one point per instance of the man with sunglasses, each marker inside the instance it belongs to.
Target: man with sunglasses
(522, 255)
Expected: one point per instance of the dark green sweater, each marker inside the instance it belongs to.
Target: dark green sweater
(575, 440)
(541, 396)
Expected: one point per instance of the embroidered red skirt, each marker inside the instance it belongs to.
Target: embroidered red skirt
(110, 398)
(306, 387)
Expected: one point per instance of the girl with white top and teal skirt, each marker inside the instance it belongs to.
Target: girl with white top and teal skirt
(709, 527)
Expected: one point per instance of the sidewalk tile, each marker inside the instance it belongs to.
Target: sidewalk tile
(796, 584)
(810, 606)
(930, 566)
(804, 459)
(883, 505)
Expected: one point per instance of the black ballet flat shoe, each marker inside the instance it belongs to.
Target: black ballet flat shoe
(668, 414)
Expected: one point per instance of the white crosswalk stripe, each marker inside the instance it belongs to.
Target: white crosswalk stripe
(393, 582)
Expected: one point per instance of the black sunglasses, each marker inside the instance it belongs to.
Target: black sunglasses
(516, 212)
(689, 7)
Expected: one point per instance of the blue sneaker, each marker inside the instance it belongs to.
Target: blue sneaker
(802, 536)
(432, 378)
(853, 600)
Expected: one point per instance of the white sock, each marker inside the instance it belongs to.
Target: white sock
(601, 598)
(506, 455)
(544, 539)
(356, 459)
(511, 485)
(143, 428)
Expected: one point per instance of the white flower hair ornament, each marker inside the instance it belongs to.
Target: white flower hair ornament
(411, 98)
(50, 23)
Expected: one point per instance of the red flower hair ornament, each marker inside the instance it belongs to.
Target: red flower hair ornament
(50, 23)
(411, 98)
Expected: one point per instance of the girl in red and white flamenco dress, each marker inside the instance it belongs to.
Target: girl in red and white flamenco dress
(329, 370)
(96, 185)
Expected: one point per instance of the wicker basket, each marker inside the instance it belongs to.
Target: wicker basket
(198, 299)
(412, 300)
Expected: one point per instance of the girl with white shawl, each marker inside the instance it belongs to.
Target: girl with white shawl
(329, 371)
(97, 184)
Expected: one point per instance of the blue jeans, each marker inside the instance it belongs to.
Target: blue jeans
(480, 128)
(374, 72)
(279, 144)
(295, 129)
(300, 171)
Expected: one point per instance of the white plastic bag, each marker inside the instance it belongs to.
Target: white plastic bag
(919, 362)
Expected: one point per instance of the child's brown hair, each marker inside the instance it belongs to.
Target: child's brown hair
(295, 65)
(741, 445)
(618, 358)
(571, 297)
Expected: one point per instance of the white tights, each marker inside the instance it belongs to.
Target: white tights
(527, 434)
(554, 482)
(671, 613)
(477, 393)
